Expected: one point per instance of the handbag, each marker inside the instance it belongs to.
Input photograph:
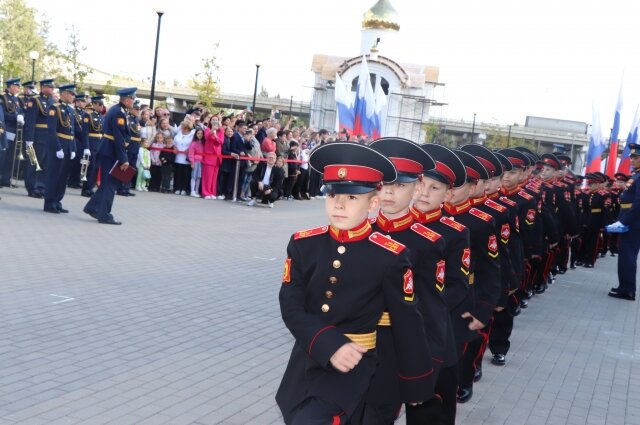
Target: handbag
(146, 174)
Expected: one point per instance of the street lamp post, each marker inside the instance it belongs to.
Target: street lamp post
(34, 55)
(255, 93)
(155, 61)
(473, 127)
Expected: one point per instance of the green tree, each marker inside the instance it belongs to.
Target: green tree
(71, 55)
(206, 82)
(431, 131)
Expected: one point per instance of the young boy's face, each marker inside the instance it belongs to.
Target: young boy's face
(462, 193)
(348, 211)
(431, 194)
(493, 185)
(395, 198)
(168, 142)
(511, 179)
(480, 189)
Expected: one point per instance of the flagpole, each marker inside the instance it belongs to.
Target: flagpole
(606, 160)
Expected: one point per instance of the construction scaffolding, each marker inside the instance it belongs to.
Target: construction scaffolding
(407, 116)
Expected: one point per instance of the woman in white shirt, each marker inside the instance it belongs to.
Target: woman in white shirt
(182, 168)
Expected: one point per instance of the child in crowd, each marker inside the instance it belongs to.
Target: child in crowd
(143, 165)
(196, 151)
(156, 165)
(167, 158)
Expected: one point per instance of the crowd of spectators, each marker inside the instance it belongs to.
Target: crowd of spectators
(201, 155)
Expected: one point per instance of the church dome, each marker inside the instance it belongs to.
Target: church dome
(381, 16)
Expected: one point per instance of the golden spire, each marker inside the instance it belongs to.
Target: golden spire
(381, 16)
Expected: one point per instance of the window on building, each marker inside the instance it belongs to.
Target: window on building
(383, 82)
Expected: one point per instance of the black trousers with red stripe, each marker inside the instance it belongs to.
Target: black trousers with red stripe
(501, 328)
(467, 365)
(316, 411)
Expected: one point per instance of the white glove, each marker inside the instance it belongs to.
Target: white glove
(616, 224)
(86, 152)
(60, 154)
(20, 119)
(72, 156)
(29, 143)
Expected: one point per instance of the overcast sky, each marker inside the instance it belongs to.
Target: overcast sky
(501, 59)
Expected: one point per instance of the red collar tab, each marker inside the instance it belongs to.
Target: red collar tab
(458, 209)
(477, 201)
(358, 233)
(356, 173)
(389, 225)
(404, 165)
(494, 195)
(426, 217)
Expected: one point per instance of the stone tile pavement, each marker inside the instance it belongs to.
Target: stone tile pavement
(173, 318)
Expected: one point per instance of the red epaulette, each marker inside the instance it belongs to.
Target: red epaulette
(559, 184)
(452, 223)
(525, 195)
(480, 214)
(372, 220)
(310, 232)
(496, 206)
(386, 242)
(508, 201)
(425, 232)
(533, 188)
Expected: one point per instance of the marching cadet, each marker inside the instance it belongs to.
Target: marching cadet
(36, 136)
(92, 127)
(612, 207)
(428, 255)
(112, 150)
(61, 127)
(13, 117)
(436, 188)
(619, 185)
(338, 280)
(629, 245)
(597, 219)
(82, 141)
(135, 138)
(485, 265)
(582, 202)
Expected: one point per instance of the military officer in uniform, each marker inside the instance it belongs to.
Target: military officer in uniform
(133, 149)
(36, 135)
(13, 117)
(629, 244)
(619, 185)
(338, 280)
(61, 127)
(92, 126)
(82, 142)
(112, 149)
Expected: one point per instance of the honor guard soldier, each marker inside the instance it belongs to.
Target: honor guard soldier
(3, 135)
(92, 126)
(428, 257)
(36, 136)
(112, 149)
(338, 280)
(629, 221)
(619, 185)
(82, 141)
(28, 91)
(13, 117)
(485, 265)
(61, 147)
(133, 149)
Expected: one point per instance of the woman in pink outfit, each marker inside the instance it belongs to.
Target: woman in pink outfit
(213, 140)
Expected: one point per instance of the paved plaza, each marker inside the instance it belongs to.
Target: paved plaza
(173, 318)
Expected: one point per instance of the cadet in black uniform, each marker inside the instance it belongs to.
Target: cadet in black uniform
(338, 280)
(92, 126)
(597, 219)
(630, 240)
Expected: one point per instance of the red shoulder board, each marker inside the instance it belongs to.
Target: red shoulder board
(452, 223)
(525, 195)
(386, 242)
(496, 206)
(559, 184)
(425, 232)
(372, 220)
(482, 215)
(533, 188)
(508, 201)
(310, 232)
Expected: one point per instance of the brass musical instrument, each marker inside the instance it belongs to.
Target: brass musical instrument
(17, 157)
(33, 159)
(84, 167)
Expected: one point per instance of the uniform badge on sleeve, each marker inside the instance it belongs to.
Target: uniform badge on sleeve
(440, 267)
(29, 104)
(505, 232)
(466, 260)
(493, 246)
(286, 277)
(52, 112)
(86, 119)
(408, 285)
(120, 121)
(531, 216)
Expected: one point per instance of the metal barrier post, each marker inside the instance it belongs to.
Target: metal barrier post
(235, 181)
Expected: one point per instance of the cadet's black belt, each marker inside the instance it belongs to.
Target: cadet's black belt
(65, 136)
(626, 206)
(98, 135)
(42, 126)
(136, 139)
(596, 210)
(366, 340)
(385, 319)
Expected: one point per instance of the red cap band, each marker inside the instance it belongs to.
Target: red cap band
(445, 171)
(516, 161)
(405, 165)
(550, 162)
(488, 165)
(472, 173)
(358, 173)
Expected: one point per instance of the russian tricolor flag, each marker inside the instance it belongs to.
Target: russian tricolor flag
(364, 104)
(596, 143)
(345, 106)
(614, 140)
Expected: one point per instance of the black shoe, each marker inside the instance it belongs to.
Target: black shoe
(123, 193)
(110, 221)
(36, 195)
(622, 296)
(498, 360)
(91, 213)
(74, 186)
(579, 263)
(539, 289)
(603, 254)
(62, 210)
(588, 265)
(528, 294)
(613, 254)
(87, 194)
(524, 304)
(573, 266)
(464, 394)
(51, 210)
(477, 375)
(562, 270)
(131, 194)
(614, 290)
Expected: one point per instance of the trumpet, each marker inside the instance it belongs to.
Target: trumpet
(33, 159)
(17, 156)
(84, 167)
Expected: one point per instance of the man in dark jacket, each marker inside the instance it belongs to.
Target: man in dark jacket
(266, 181)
